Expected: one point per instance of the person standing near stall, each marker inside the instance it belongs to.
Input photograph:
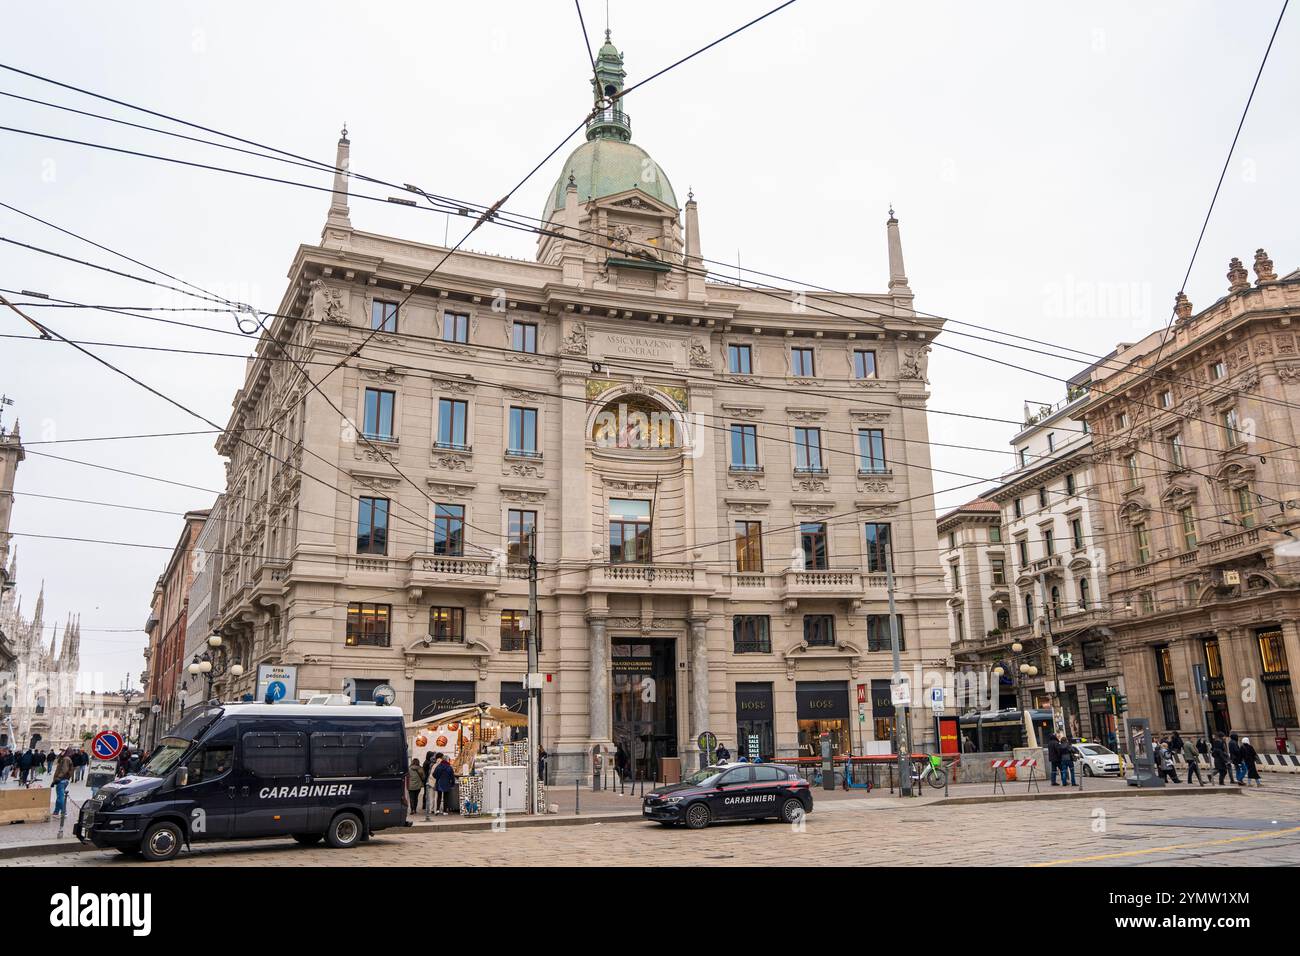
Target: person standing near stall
(444, 779)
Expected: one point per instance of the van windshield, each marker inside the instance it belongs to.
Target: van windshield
(195, 722)
(165, 756)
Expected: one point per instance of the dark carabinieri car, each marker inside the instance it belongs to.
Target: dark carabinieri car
(739, 791)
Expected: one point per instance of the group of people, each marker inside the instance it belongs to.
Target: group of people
(435, 775)
(28, 766)
(1229, 756)
(1060, 754)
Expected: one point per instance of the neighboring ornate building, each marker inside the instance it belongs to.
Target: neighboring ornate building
(167, 626)
(716, 476)
(11, 453)
(93, 711)
(39, 687)
(201, 615)
(1029, 562)
(1195, 438)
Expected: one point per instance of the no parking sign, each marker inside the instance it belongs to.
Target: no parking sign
(106, 745)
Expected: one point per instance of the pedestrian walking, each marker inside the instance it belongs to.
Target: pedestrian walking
(430, 759)
(49, 761)
(414, 783)
(26, 760)
(1219, 752)
(62, 777)
(1054, 756)
(1176, 746)
(1203, 749)
(1166, 758)
(444, 778)
(1250, 758)
(1234, 757)
(1067, 763)
(1192, 755)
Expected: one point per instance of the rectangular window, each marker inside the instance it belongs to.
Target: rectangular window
(744, 447)
(871, 450)
(523, 431)
(995, 534)
(1076, 533)
(1094, 655)
(520, 525)
(1218, 370)
(1049, 542)
(1023, 454)
(1167, 399)
(808, 450)
(812, 539)
(1189, 528)
(1142, 542)
(1022, 551)
(455, 327)
(998, 568)
(1245, 507)
(878, 636)
(372, 526)
(1121, 420)
(1017, 508)
(383, 316)
(955, 570)
(447, 624)
(1231, 427)
(379, 414)
(879, 547)
(452, 417)
(819, 630)
(739, 360)
(368, 624)
(275, 755)
(751, 634)
(864, 363)
(1070, 486)
(1042, 497)
(449, 530)
(1051, 441)
(749, 546)
(801, 362)
(523, 337)
(629, 531)
(514, 636)
(1176, 451)
(1131, 466)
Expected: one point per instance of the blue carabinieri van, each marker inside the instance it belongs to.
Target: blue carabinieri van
(245, 771)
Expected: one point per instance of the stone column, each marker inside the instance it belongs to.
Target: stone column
(598, 681)
(699, 677)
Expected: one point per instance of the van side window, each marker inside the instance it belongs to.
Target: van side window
(383, 755)
(336, 755)
(213, 759)
(275, 755)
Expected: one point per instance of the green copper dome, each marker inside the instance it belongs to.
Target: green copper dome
(609, 162)
(603, 167)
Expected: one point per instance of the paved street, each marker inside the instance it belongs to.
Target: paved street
(1251, 829)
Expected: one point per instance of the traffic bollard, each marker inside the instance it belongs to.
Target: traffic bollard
(577, 795)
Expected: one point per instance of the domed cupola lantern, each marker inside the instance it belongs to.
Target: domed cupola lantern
(609, 121)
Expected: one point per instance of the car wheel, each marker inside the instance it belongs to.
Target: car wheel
(161, 842)
(1087, 771)
(792, 810)
(698, 816)
(345, 831)
(308, 839)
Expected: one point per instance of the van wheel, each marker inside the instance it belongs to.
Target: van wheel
(161, 842)
(698, 816)
(308, 839)
(345, 831)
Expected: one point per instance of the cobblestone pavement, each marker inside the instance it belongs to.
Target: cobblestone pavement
(1258, 828)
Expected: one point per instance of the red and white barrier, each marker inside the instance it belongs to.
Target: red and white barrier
(1026, 762)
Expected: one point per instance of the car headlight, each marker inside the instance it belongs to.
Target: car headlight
(672, 800)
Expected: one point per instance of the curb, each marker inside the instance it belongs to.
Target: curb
(1083, 795)
(16, 850)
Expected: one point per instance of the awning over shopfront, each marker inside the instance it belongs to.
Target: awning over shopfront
(502, 716)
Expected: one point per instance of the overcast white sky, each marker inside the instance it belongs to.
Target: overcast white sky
(1050, 165)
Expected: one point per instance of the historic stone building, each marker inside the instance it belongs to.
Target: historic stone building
(1195, 435)
(39, 686)
(716, 476)
(1034, 569)
(167, 627)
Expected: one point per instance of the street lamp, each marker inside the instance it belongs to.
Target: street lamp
(206, 664)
